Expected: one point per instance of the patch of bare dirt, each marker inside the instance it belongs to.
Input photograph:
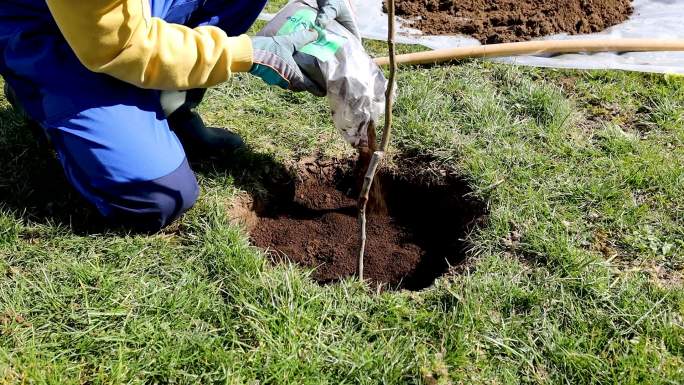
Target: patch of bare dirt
(503, 21)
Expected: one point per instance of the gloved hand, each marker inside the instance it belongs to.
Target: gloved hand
(273, 61)
(339, 10)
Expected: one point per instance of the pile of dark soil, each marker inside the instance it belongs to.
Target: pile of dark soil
(502, 21)
(415, 242)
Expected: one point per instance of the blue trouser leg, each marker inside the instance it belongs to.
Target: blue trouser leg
(112, 139)
(234, 17)
(125, 160)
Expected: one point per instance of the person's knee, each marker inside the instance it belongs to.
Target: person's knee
(153, 205)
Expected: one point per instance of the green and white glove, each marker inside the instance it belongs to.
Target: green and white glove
(339, 10)
(274, 63)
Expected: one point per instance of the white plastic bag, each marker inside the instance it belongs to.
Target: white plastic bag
(338, 63)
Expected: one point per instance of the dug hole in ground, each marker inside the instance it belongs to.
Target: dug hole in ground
(311, 218)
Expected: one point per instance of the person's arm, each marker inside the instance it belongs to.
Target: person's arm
(121, 39)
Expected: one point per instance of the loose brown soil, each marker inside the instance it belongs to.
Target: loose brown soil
(502, 21)
(417, 239)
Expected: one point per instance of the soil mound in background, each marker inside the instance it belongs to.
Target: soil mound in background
(503, 21)
(409, 247)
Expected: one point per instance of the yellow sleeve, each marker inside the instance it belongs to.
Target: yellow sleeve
(121, 39)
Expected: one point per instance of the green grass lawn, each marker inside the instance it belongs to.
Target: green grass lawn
(576, 276)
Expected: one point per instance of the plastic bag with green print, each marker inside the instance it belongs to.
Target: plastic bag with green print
(337, 63)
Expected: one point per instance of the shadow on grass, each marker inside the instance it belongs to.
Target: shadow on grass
(258, 174)
(34, 188)
(32, 183)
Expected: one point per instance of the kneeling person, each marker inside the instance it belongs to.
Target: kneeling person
(108, 81)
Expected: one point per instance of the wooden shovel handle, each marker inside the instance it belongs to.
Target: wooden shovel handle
(538, 48)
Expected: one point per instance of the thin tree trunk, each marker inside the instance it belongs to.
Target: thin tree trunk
(386, 136)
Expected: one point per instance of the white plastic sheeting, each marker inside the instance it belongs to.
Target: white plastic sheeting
(661, 19)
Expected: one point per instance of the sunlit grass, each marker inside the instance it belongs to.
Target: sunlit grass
(575, 278)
